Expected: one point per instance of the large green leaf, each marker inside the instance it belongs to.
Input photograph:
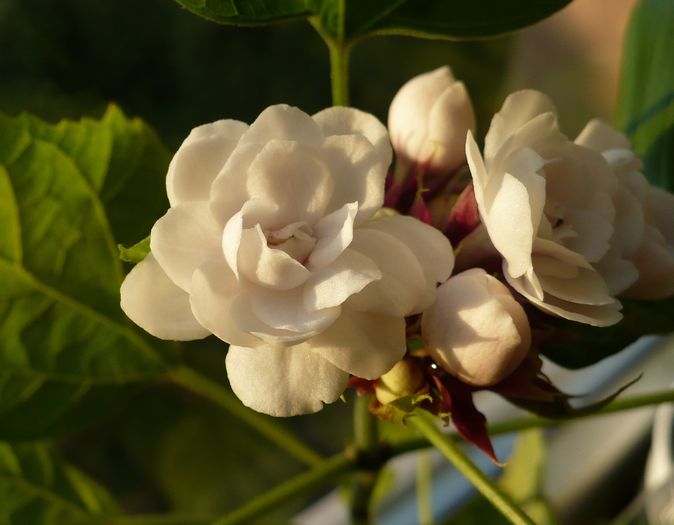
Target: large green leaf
(67, 193)
(646, 102)
(347, 20)
(37, 488)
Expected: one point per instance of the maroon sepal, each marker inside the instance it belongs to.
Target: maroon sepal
(362, 386)
(419, 209)
(456, 398)
(464, 216)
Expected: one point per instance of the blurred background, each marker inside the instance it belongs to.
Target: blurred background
(163, 449)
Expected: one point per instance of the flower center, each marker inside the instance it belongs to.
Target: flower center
(295, 239)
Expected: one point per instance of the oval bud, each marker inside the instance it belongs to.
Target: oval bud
(429, 118)
(476, 330)
(404, 379)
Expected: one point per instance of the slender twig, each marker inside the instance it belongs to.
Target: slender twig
(339, 73)
(425, 488)
(159, 519)
(426, 424)
(193, 381)
(366, 441)
(524, 423)
(328, 472)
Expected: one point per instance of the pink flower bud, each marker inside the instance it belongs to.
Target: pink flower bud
(429, 118)
(475, 330)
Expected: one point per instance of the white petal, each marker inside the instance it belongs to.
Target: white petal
(334, 284)
(600, 136)
(593, 233)
(283, 382)
(334, 233)
(228, 191)
(603, 315)
(267, 266)
(364, 344)
(247, 320)
(183, 239)
(283, 122)
(618, 273)
(158, 306)
(358, 173)
(451, 117)
(518, 109)
(430, 247)
(199, 159)
(588, 287)
(295, 178)
(478, 171)
(339, 120)
(403, 284)
(510, 220)
(662, 210)
(655, 261)
(286, 310)
(214, 291)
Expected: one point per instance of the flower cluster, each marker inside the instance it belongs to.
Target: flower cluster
(277, 243)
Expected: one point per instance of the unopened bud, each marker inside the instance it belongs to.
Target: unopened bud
(476, 330)
(428, 120)
(404, 379)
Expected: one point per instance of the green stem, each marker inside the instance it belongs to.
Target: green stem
(426, 424)
(366, 441)
(425, 488)
(339, 72)
(525, 423)
(193, 381)
(159, 519)
(308, 483)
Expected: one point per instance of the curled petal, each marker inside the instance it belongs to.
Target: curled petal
(282, 381)
(199, 159)
(183, 239)
(599, 136)
(334, 233)
(214, 291)
(518, 109)
(358, 173)
(364, 344)
(338, 120)
(294, 177)
(430, 247)
(403, 285)
(283, 122)
(267, 266)
(151, 300)
(334, 284)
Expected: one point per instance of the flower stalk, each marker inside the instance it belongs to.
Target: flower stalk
(339, 73)
(425, 423)
(366, 441)
(193, 381)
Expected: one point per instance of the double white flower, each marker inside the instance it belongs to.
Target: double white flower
(271, 245)
(555, 212)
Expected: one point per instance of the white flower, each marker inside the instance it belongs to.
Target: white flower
(475, 330)
(549, 207)
(428, 120)
(646, 228)
(270, 244)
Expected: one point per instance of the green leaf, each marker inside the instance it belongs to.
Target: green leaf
(68, 192)
(247, 12)
(37, 488)
(136, 253)
(646, 102)
(345, 21)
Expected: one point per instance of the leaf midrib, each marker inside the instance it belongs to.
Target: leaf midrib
(87, 311)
